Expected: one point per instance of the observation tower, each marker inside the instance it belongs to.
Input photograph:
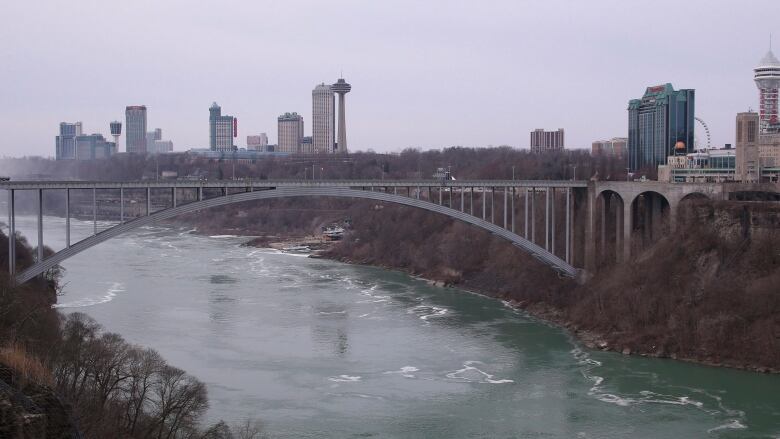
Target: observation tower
(116, 131)
(342, 87)
(767, 77)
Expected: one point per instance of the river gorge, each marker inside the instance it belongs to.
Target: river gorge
(316, 348)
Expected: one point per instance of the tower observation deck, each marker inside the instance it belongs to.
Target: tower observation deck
(767, 77)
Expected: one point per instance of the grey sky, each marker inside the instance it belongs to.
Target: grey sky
(424, 73)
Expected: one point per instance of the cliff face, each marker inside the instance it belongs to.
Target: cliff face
(709, 292)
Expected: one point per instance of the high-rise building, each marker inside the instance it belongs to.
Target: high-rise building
(662, 119)
(306, 146)
(290, 133)
(94, 146)
(151, 136)
(341, 87)
(222, 129)
(135, 135)
(769, 153)
(767, 77)
(323, 119)
(65, 143)
(155, 143)
(748, 163)
(615, 146)
(257, 143)
(543, 141)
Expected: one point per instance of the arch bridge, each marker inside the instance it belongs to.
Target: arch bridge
(498, 206)
(570, 226)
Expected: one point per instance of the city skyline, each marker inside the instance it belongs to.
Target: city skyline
(376, 47)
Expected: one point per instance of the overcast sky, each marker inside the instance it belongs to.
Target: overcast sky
(426, 74)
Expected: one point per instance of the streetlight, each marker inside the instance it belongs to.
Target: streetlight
(513, 173)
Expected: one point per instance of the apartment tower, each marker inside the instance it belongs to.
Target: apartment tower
(323, 119)
(135, 133)
(290, 133)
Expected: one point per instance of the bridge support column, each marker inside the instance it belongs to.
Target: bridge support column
(67, 218)
(526, 214)
(568, 225)
(148, 201)
(462, 196)
(94, 211)
(471, 201)
(547, 218)
(533, 215)
(492, 205)
(173, 196)
(11, 236)
(121, 204)
(603, 237)
(627, 228)
(552, 221)
(484, 195)
(619, 208)
(505, 205)
(450, 191)
(40, 225)
(440, 196)
(200, 193)
(673, 216)
(590, 229)
(513, 209)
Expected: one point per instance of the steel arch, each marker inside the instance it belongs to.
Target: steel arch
(534, 250)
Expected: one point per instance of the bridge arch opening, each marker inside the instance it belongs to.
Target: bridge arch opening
(650, 219)
(689, 208)
(609, 227)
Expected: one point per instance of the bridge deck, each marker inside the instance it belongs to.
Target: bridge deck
(252, 183)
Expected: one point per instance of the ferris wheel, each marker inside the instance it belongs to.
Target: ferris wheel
(696, 145)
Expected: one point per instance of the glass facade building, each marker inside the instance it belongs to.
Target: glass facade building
(66, 141)
(657, 122)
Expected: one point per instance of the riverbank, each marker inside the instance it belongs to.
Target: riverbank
(706, 294)
(594, 340)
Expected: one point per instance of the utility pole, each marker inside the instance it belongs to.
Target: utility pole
(513, 173)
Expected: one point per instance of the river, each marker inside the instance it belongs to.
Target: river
(316, 348)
